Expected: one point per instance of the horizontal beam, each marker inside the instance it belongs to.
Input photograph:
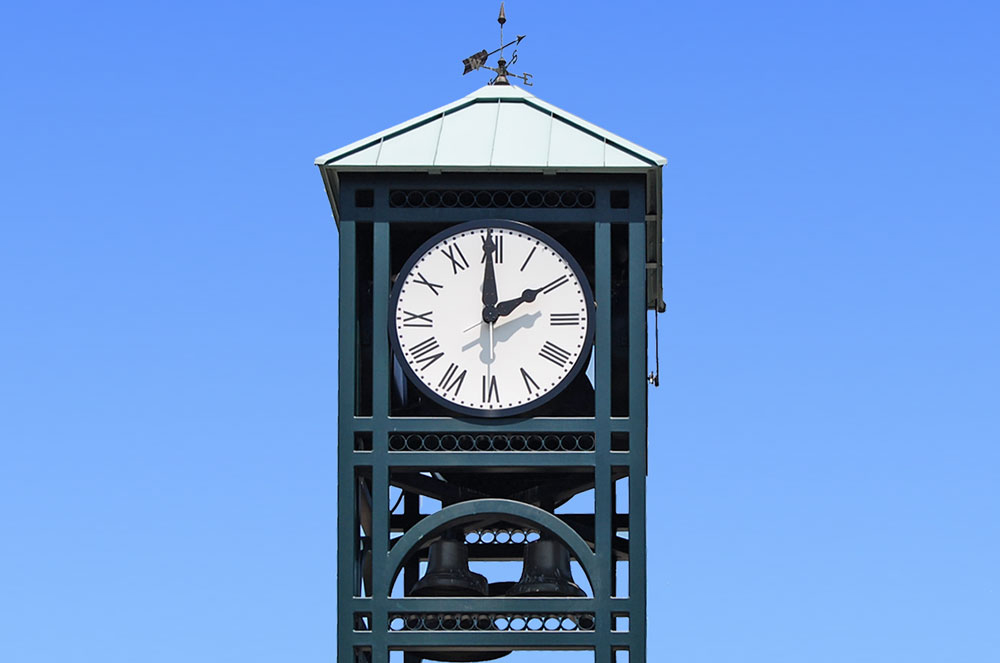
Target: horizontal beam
(399, 522)
(486, 640)
(492, 604)
(514, 552)
(485, 459)
(486, 425)
(489, 459)
(537, 216)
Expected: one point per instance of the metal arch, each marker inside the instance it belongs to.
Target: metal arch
(511, 510)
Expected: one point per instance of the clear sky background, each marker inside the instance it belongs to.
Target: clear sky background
(825, 445)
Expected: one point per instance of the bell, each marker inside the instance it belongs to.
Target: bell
(448, 571)
(448, 574)
(546, 571)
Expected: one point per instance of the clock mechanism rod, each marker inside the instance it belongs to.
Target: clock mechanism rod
(654, 376)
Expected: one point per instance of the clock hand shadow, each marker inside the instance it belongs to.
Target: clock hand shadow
(501, 333)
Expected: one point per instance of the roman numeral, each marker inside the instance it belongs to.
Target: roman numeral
(564, 319)
(555, 284)
(498, 253)
(555, 354)
(458, 264)
(417, 319)
(529, 384)
(423, 281)
(529, 256)
(451, 382)
(422, 352)
(492, 392)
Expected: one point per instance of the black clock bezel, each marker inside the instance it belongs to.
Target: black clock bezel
(508, 224)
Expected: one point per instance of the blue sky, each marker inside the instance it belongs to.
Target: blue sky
(826, 447)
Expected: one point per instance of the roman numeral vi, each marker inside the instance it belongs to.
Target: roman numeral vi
(492, 393)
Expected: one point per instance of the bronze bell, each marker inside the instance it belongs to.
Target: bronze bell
(546, 571)
(448, 571)
(448, 574)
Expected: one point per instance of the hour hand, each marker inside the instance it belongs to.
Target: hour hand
(508, 306)
(529, 294)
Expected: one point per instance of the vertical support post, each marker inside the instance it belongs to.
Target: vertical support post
(380, 460)
(411, 509)
(638, 432)
(602, 420)
(411, 572)
(346, 515)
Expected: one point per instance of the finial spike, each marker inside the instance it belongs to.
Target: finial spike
(503, 17)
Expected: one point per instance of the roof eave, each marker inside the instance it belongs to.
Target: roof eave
(490, 169)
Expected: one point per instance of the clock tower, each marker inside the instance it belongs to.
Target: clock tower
(498, 257)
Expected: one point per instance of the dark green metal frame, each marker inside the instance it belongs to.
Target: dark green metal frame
(598, 563)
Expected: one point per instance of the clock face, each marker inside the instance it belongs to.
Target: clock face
(491, 318)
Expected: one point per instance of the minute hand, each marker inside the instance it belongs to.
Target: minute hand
(489, 275)
(507, 307)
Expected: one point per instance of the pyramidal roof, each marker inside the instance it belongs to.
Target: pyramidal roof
(497, 127)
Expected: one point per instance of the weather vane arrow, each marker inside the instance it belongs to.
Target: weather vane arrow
(478, 60)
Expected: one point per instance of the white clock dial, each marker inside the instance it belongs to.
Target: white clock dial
(491, 344)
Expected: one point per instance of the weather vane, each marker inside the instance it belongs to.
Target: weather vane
(478, 60)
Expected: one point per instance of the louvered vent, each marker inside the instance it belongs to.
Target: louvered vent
(492, 199)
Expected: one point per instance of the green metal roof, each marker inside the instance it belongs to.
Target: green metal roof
(495, 127)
